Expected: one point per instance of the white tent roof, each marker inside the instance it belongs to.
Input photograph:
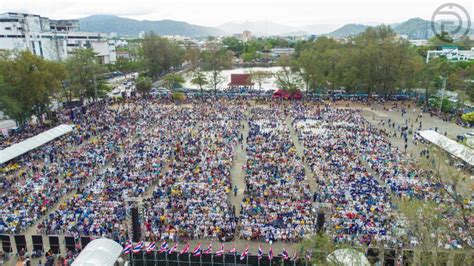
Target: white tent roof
(462, 152)
(29, 144)
(101, 251)
(348, 257)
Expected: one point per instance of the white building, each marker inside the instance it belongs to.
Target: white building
(452, 53)
(276, 52)
(51, 39)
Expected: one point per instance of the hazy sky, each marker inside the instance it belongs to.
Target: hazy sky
(216, 12)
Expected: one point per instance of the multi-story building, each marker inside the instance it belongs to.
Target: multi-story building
(452, 53)
(51, 39)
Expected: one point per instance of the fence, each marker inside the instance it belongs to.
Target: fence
(175, 259)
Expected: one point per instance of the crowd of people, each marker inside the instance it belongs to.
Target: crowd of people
(190, 201)
(34, 182)
(176, 159)
(359, 172)
(99, 208)
(277, 203)
(361, 209)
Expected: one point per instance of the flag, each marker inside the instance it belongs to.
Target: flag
(220, 252)
(150, 247)
(295, 256)
(208, 250)
(270, 254)
(173, 249)
(260, 252)
(284, 254)
(128, 248)
(245, 253)
(197, 250)
(233, 250)
(138, 247)
(164, 247)
(185, 249)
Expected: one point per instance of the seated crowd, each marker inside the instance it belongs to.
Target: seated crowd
(277, 203)
(191, 201)
(349, 157)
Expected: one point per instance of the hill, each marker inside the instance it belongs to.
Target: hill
(348, 30)
(132, 28)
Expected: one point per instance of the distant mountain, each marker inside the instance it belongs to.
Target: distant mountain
(268, 28)
(257, 28)
(319, 28)
(348, 30)
(415, 28)
(132, 28)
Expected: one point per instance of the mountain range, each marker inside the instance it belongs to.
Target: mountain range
(132, 28)
(415, 28)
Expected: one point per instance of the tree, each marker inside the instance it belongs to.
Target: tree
(83, 72)
(160, 55)
(144, 85)
(215, 59)
(422, 220)
(29, 84)
(200, 80)
(233, 44)
(172, 80)
(126, 65)
(287, 79)
(192, 57)
(260, 76)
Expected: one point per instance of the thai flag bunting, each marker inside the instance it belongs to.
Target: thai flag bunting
(260, 252)
(284, 254)
(270, 254)
(173, 249)
(138, 247)
(233, 250)
(197, 250)
(128, 248)
(245, 253)
(150, 247)
(220, 252)
(295, 256)
(208, 250)
(164, 247)
(185, 249)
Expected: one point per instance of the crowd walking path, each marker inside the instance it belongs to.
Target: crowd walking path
(300, 150)
(237, 173)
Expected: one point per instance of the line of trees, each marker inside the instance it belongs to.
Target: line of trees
(30, 85)
(377, 61)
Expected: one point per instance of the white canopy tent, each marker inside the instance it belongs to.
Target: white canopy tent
(101, 251)
(348, 257)
(32, 143)
(462, 152)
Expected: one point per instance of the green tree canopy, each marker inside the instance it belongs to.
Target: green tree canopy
(160, 55)
(29, 84)
(172, 81)
(143, 85)
(83, 74)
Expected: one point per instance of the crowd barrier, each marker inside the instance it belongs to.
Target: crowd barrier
(16, 243)
(12, 244)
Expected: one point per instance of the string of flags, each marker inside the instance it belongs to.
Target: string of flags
(197, 251)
